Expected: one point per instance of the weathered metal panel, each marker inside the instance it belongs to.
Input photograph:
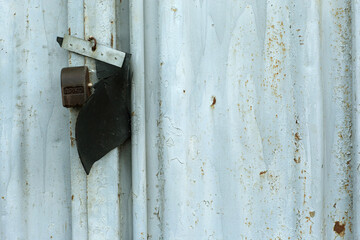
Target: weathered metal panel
(249, 118)
(34, 143)
(244, 122)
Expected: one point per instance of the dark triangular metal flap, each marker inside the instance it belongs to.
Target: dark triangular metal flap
(103, 122)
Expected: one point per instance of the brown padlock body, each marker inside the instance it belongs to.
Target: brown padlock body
(75, 86)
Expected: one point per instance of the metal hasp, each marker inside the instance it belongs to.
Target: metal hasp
(74, 86)
(90, 48)
(103, 122)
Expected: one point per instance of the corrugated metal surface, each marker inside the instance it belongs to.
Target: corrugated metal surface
(245, 117)
(34, 142)
(100, 201)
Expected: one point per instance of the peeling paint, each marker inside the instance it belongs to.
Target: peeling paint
(213, 102)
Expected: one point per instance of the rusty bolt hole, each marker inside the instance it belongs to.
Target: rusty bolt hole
(94, 40)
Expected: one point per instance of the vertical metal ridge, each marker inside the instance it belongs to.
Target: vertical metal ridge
(79, 198)
(103, 180)
(138, 137)
(355, 23)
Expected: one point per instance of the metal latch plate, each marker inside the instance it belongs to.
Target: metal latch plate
(101, 53)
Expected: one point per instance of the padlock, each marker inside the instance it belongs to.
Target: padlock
(75, 87)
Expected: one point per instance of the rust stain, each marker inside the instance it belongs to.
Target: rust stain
(161, 63)
(213, 102)
(3, 198)
(275, 43)
(72, 198)
(112, 40)
(174, 9)
(297, 160)
(262, 173)
(297, 137)
(157, 213)
(69, 31)
(132, 113)
(312, 214)
(339, 228)
(184, 91)
(92, 39)
(72, 139)
(202, 171)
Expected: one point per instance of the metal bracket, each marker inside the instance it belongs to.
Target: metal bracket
(90, 48)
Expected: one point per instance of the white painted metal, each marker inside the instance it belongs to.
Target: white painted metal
(101, 53)
(79, 198)
(245, 122)
(355, 23)
(34, 144)
(249, 119)
(338, 102)
(138, 136)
